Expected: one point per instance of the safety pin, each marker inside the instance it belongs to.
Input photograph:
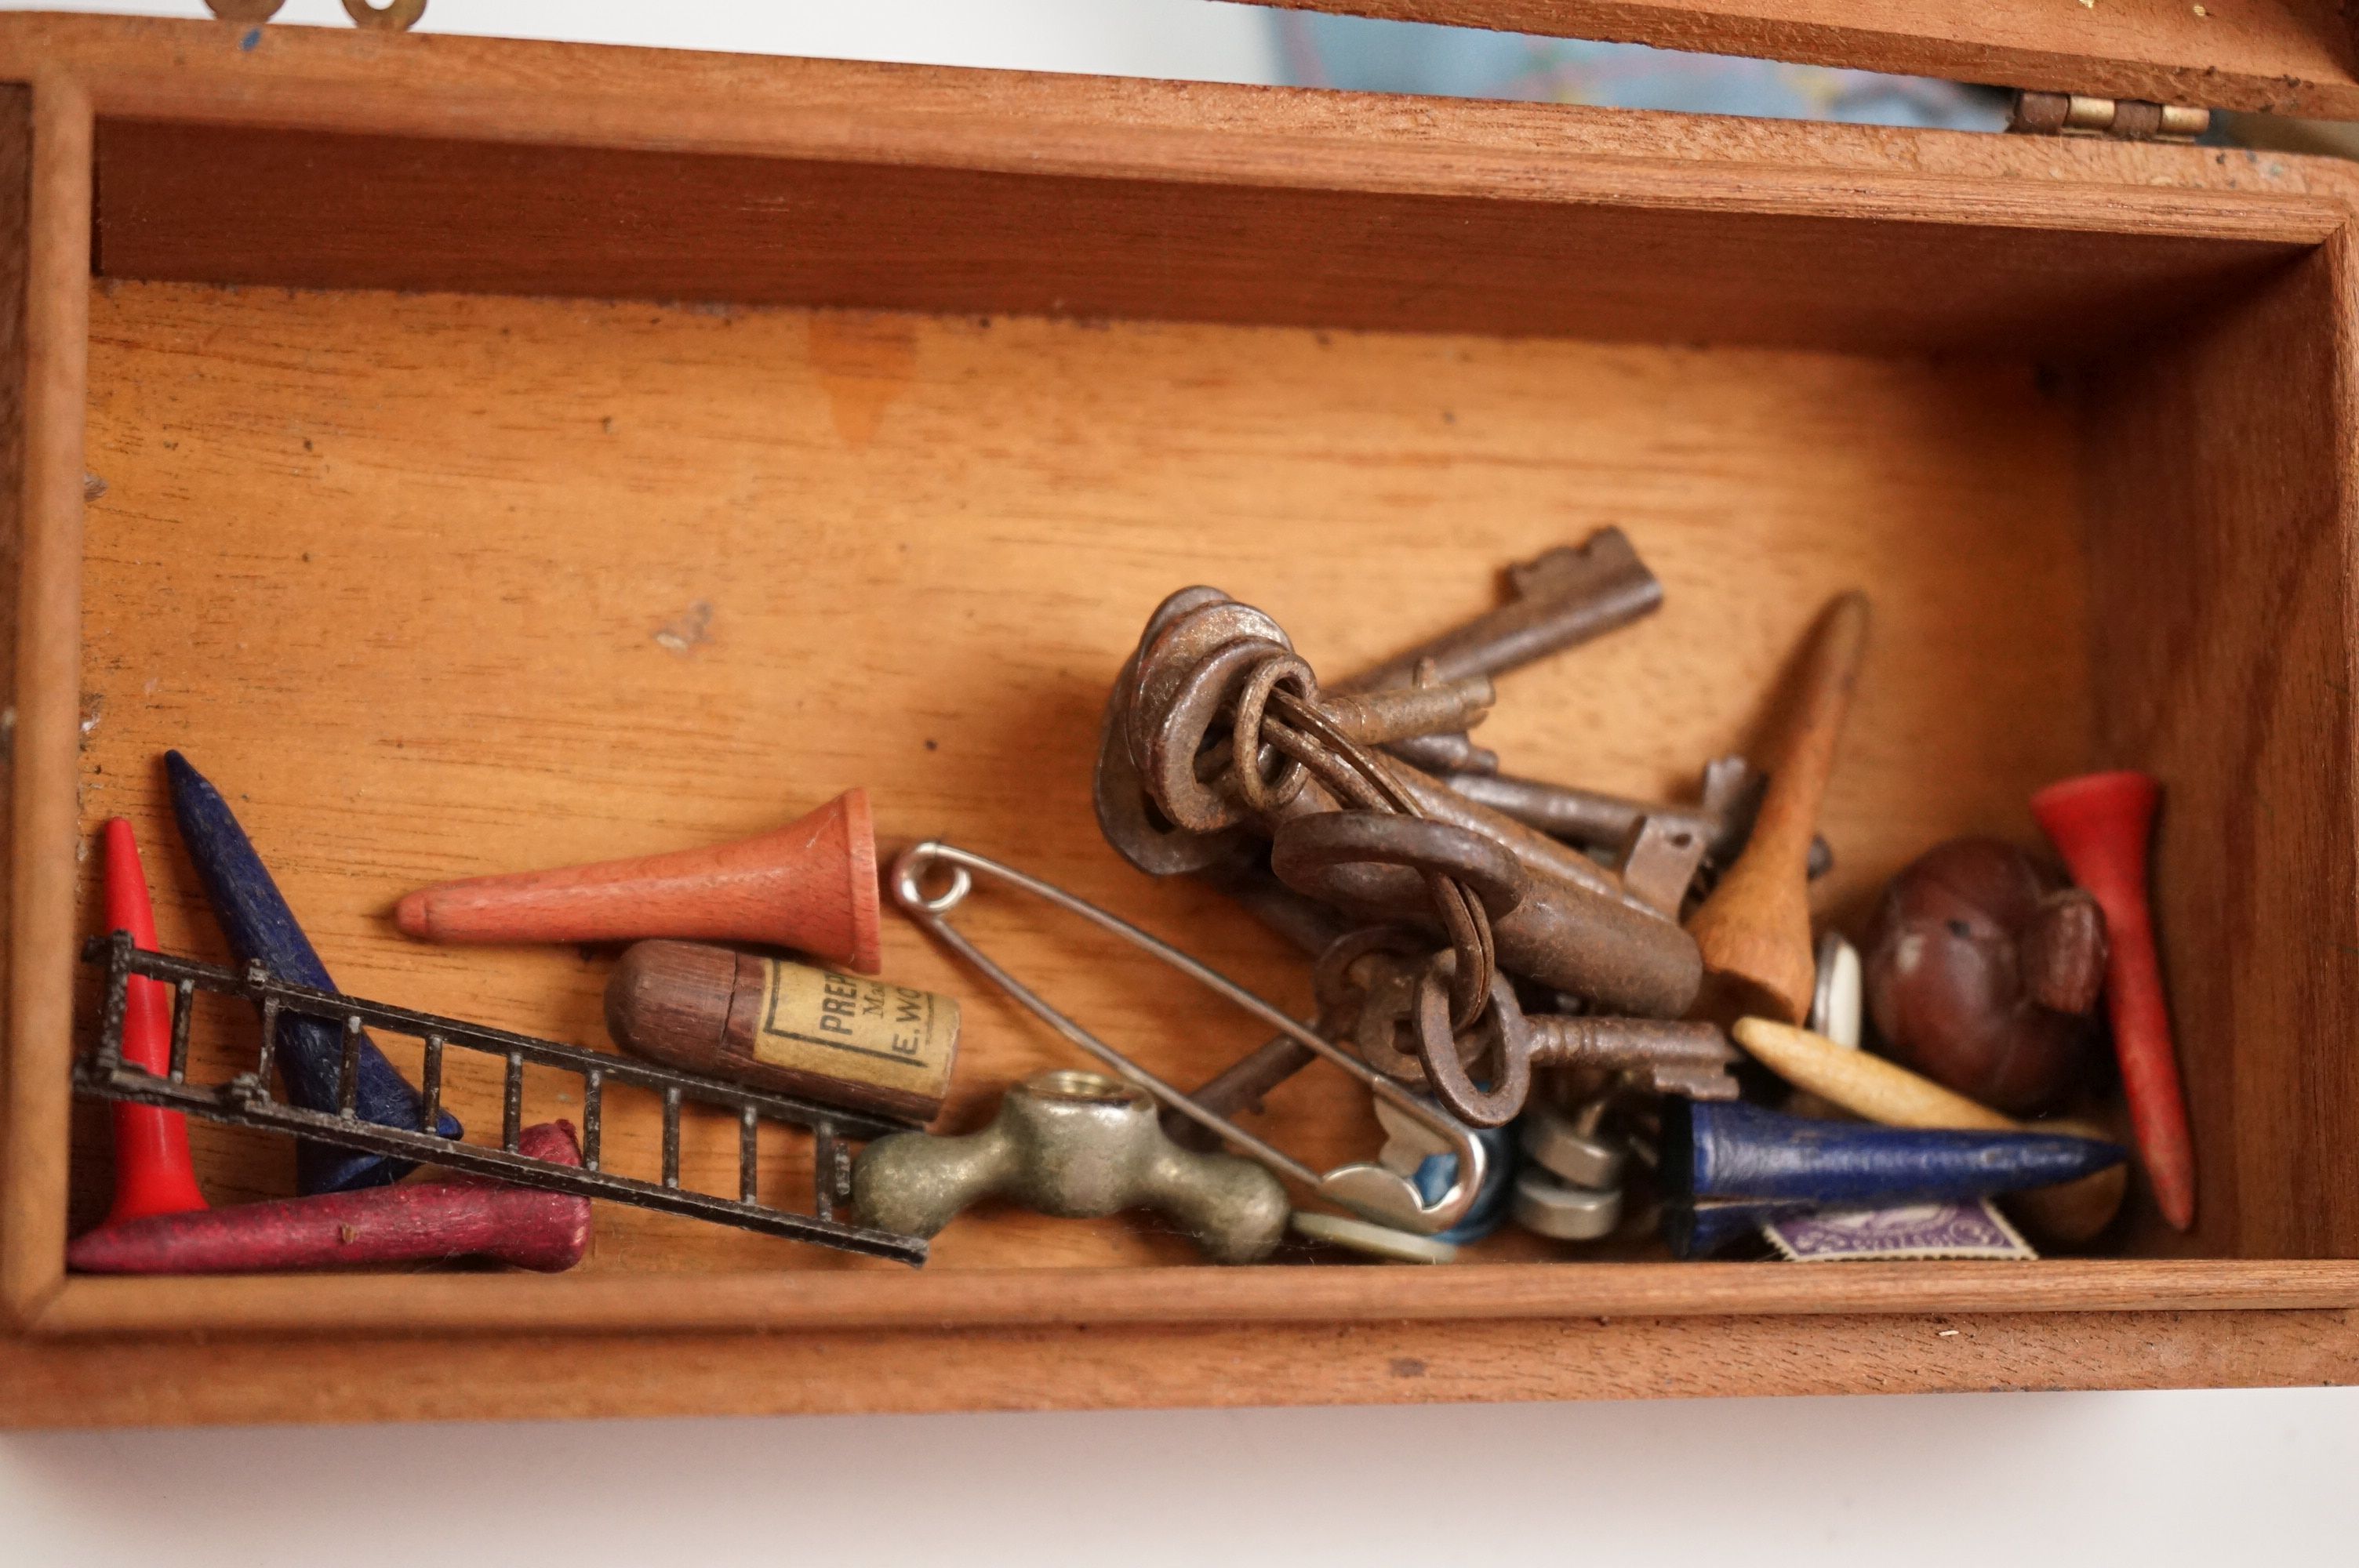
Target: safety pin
(1370, 1189)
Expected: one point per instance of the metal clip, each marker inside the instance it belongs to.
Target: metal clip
(1365, 1188)
(2122, 119)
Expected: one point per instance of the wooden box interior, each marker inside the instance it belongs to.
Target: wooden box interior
(548, 455)
(438, 571)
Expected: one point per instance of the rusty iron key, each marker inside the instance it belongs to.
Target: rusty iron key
(1564, 920)
(1731, 790)
(1563, 597)
(1665, 1055)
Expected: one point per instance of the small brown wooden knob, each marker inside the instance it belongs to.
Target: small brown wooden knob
(778, 1025)
(1982, 971)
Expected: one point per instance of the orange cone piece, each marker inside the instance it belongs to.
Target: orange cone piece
(811, 886)
(152, 1173)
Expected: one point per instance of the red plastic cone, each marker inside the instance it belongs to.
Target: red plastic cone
(2103, 823)
(152, 1173)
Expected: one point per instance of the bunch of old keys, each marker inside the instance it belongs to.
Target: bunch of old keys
(1472, 934)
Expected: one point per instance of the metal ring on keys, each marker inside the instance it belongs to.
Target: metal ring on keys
(1138, 832)
(1310, 844)
(1373, 1017)
(1262, 794)
(1365, 1188)
(1472, 878)
(1178, 645)
(1437, 1043)
(1186, 718)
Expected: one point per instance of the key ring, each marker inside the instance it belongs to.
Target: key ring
(1364, 1187)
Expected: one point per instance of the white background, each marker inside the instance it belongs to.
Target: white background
(2154, 1479)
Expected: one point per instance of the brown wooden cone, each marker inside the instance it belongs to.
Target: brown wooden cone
(811, 886)
(1755, 929)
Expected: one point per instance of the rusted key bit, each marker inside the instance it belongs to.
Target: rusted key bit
(1406, 713)
(1401, 716)
(1563, 597)
(1659, 863)
(1732, 792)
(1444, 754)
(1665, 1055)
(1732, 789)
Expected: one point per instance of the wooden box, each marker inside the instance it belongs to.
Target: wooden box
(479, 455)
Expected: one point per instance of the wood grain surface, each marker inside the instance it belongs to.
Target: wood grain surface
(1334, 1292)
(330, 158)
(178, 1381)
(402, 574)
(35, 1278)
(2280, 57)
(1818, 268)
(55, 148)
(437, 583)
(433, 87)
(2211, 516)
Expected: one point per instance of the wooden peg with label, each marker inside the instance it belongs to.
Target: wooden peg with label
(775, 1024)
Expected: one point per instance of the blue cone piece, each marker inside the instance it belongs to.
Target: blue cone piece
(1720, 1158)
(259, 925)
(1699, 1227)
(1436, 1174)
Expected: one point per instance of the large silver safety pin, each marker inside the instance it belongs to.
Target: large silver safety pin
(1370, 1189)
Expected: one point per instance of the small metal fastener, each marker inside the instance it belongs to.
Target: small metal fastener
(1573, 1147)
(1839, 1001)
(1076, 1145)
(1365, 1188)
(1408, 1144)
(1550, 1207)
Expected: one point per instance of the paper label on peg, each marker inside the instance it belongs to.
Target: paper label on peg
(839, 1026)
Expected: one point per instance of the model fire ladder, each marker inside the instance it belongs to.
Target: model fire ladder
(246, 1100)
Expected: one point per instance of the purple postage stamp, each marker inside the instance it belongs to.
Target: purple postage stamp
(1917, 1231)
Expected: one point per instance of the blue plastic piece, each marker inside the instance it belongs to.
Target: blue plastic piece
(1728, 1167)
(310, 1052)
(1699, 1227)
(1436, 1172)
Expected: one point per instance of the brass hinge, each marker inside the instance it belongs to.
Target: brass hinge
(2124, 119)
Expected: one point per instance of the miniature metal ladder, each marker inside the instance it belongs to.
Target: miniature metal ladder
(246, 1100)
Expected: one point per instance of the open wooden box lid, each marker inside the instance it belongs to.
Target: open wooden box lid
(2276, 56)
